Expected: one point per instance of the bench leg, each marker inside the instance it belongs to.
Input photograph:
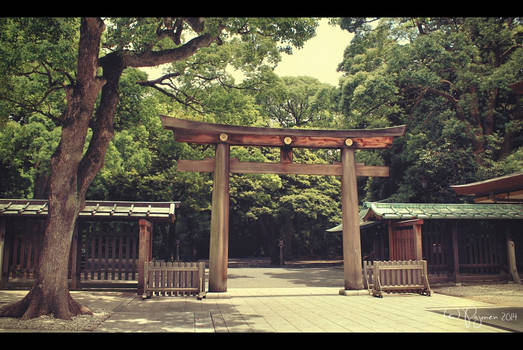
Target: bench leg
(376, 290)
(377, 293)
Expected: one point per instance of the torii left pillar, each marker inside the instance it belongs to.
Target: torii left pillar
(219, 240)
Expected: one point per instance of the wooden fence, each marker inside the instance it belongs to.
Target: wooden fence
(437, 247)
(102, 258)
(109, 256)
(480, 253)
(21, 253)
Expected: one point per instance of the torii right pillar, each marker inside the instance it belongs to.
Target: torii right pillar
(351, 222)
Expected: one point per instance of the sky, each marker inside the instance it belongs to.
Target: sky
(319, 57)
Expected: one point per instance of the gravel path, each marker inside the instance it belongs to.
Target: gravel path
(82, 323)
(101, 304)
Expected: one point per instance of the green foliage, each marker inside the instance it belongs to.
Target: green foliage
(37, 58)
(298, 102)
(25, 151)
(448, 81)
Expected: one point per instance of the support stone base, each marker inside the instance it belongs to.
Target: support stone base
(352, 292)
(218, 295)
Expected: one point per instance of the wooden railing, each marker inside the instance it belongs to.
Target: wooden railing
(109, 256)
(174, 278)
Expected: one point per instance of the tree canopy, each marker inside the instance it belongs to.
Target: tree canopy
(449, 80)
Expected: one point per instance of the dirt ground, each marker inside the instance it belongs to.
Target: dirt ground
(499, 294)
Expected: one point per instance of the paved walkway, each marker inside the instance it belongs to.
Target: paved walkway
(313, 309)
(296, 299)
(290, 299)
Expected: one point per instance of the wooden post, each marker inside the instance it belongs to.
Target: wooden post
(416, 227)
(219, 240)
(351, 222)
(2, 246)
(455, 251)
(144, 251)
(280, 244)
(286, 155)
(511, 256)
(177, 250)
(392, 253)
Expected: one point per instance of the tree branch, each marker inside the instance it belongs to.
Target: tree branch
(509, 50)
(159, 80)
(186, 103)
(93, 28)
(155, 58)
(103, 130)
(426, 89)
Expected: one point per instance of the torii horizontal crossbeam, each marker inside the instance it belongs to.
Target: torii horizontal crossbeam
(237, 167)
(208, 133)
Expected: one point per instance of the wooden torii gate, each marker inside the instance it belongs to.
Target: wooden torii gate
(223, 136)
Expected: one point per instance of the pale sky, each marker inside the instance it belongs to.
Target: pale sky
(320, 55)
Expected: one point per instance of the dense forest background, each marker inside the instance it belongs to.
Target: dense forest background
(452, 81)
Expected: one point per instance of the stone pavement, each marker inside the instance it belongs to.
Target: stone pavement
(289, 299)
(312, 309)
(294, 299)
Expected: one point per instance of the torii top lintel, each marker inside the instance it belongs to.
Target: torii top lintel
(207, 133)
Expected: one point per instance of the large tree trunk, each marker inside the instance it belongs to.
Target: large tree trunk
(50, 293)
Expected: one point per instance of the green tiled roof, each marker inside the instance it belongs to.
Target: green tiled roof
(441, 211)
(93, 209)
(406, 211)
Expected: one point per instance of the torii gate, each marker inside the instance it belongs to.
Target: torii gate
(223, 136)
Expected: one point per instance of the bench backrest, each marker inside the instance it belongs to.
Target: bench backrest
(175, 277)
(408, 273)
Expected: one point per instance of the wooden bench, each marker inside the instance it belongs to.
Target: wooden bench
(396, 277)
(174, 278)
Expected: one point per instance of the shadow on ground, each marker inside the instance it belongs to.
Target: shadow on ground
(176, 314)
(285, 277)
